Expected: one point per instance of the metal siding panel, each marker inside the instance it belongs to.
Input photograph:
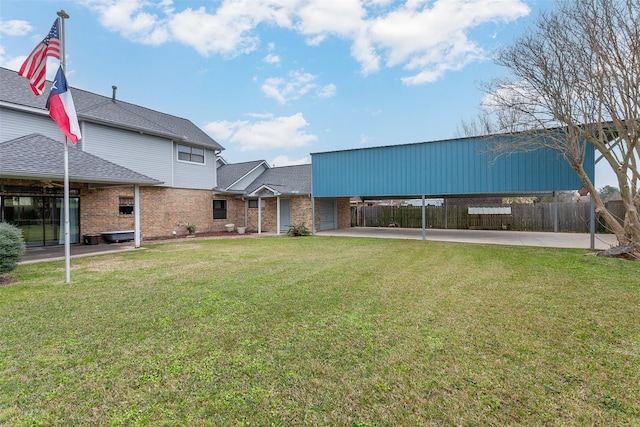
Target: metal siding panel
(435, 168)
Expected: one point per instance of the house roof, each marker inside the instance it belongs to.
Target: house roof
(100, 109)
(284, 180)
(39, 157)
(231, 173)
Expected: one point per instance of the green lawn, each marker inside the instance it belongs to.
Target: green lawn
(323, 331)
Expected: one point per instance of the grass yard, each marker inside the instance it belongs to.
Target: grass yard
(323, 331)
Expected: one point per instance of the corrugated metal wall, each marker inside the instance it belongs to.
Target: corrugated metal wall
(451, 167)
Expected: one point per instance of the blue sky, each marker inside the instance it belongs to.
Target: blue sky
(280, 79)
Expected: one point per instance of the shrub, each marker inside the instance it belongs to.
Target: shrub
(298, 230)
(12, 247)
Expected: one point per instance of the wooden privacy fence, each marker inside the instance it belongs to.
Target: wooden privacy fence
(572, 217)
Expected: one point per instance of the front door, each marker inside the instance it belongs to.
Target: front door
(285, 215)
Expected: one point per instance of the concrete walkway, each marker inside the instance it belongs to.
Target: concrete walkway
(515, 238)
(56, 253)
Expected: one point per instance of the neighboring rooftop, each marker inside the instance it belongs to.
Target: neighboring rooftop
(230, 173)
(284, 180)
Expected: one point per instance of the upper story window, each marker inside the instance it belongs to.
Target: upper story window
(190, 154)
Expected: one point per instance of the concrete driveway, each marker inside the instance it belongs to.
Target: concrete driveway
(515, 238)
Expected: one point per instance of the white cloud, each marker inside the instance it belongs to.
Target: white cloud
(286, 161)
(129, 18)
(425, 38)
(327, 91)
(268, 133)
(272, 59)
(15, 27)
(296, 85)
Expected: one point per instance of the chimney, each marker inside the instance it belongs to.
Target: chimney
(113, 97)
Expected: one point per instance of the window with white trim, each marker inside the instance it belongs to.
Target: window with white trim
(190, 154)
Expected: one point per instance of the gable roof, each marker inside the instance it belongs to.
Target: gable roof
(283, 180)
(231, 173)
(39, 157)
(100, 109)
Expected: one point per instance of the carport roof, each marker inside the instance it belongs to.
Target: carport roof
(36, 156)
(457, 167)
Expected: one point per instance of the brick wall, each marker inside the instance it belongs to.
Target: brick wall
(344, 212)
(163, 211)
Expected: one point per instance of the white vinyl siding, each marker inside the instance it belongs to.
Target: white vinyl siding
(195, 175)
(14, 123)
(144, 154)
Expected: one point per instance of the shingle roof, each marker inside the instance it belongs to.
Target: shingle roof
(92, 107)
(37, 156)
(232, 172)
(285, 180)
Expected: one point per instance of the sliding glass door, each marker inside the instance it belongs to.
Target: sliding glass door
(41, 218)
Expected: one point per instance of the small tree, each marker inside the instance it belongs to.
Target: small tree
(576, 81)
(609, 193)
(12, 247)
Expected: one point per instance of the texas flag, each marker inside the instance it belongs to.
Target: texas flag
(61, 108)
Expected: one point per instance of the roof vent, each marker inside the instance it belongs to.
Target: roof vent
(113, 97)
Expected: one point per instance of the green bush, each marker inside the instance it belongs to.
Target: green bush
(298, 230)
(12, 247)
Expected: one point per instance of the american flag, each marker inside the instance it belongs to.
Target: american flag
(34, 68)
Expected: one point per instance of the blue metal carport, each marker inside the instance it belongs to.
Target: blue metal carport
(450, 168)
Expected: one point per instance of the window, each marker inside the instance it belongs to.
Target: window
(190, 154)
(253, 204)
(126, 205)
(219, 209)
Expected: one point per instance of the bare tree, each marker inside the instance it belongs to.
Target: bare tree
(575, 80)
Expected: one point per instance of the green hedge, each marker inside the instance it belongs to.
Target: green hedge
(12, 247)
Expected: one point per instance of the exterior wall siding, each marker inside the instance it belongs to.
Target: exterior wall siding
(454, 167)
(13, 124)
(194, 175)
(144, 154)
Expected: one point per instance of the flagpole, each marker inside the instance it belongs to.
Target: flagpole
(67, 243)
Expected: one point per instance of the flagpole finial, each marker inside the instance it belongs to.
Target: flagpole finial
(62, 14)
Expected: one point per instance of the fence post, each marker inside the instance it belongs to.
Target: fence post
(555, 211)
(424, 219)
(445, 213)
